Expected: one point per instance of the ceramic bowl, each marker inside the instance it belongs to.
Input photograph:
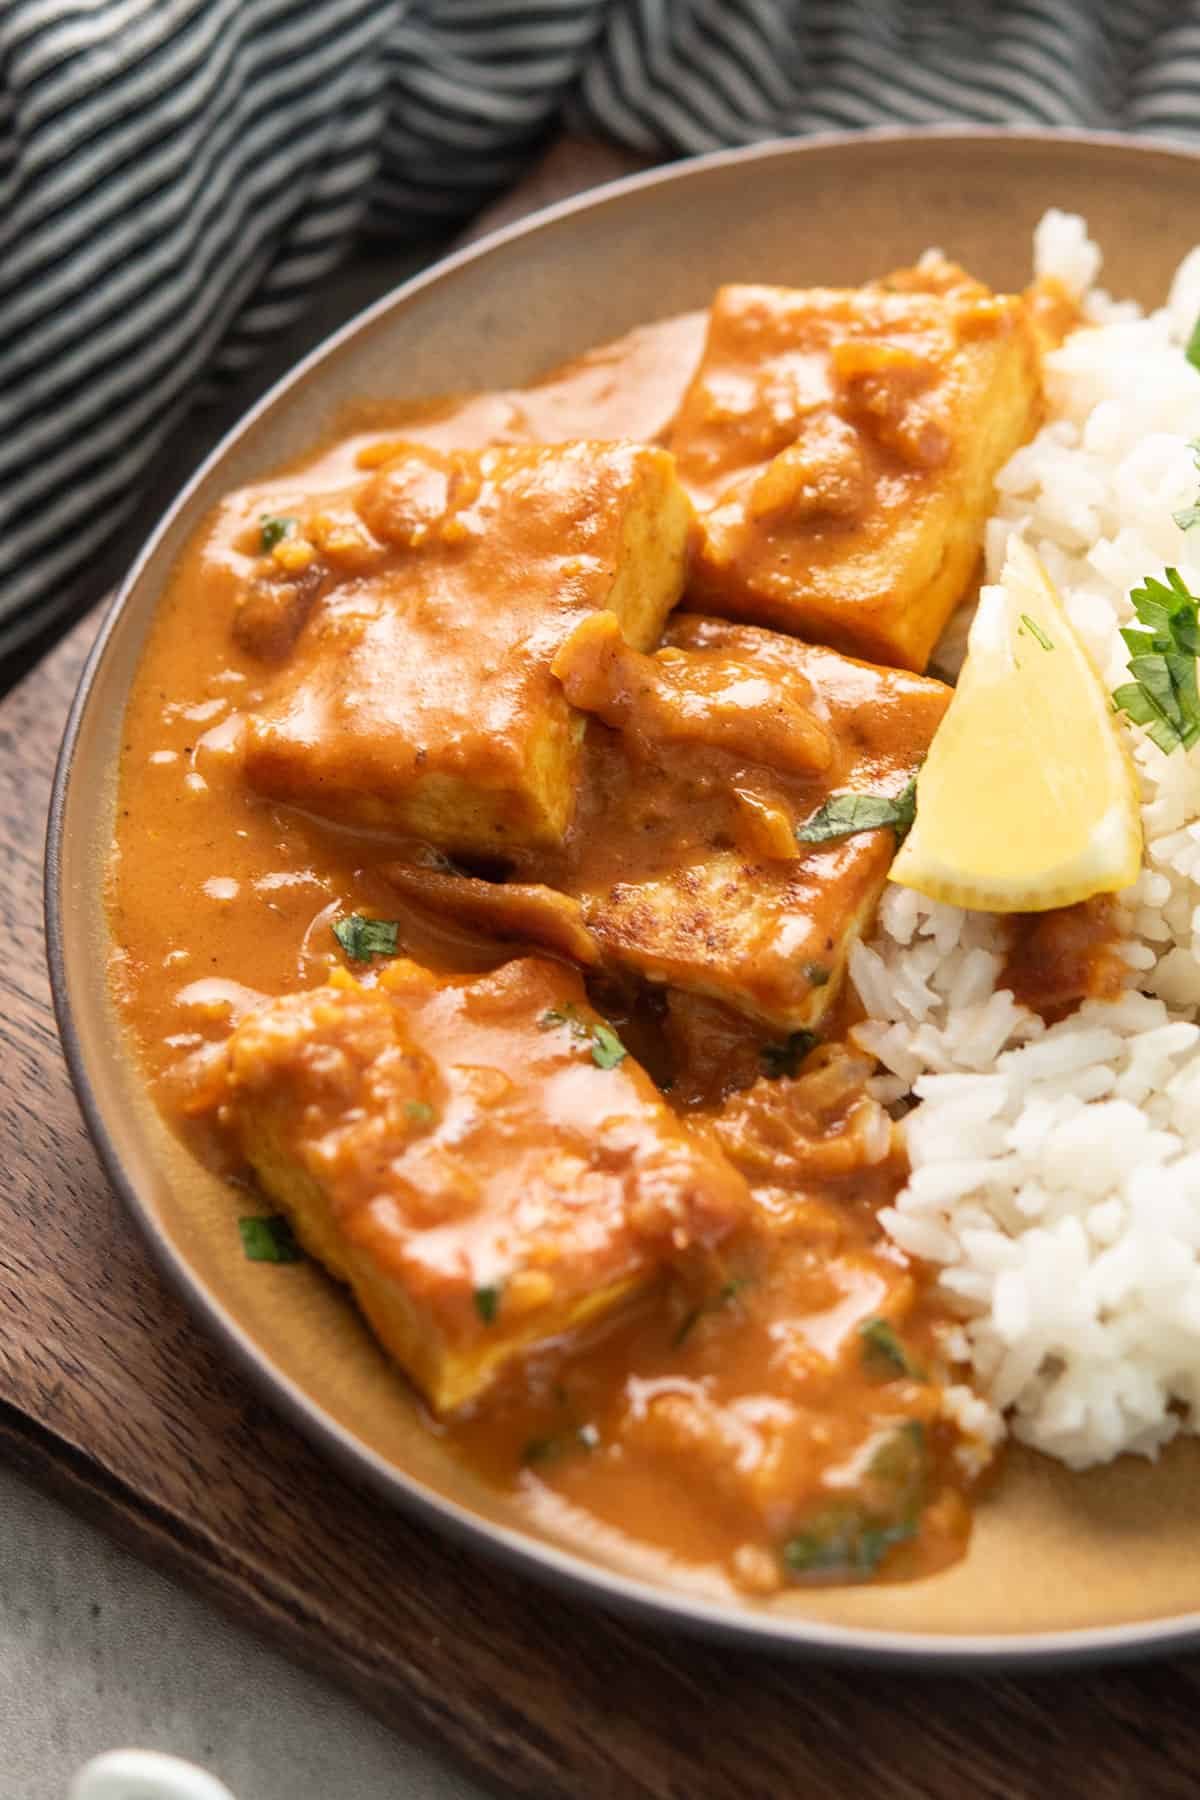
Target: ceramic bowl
(1060, 1565)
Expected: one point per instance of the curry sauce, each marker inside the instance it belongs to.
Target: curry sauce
(576, 1124)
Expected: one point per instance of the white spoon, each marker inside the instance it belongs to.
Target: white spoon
(144, 1775)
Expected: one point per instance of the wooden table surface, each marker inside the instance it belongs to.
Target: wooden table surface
(113, 1398)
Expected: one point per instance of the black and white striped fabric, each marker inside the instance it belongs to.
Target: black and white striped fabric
(175, 175)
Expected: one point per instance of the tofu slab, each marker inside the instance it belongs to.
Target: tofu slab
(684, 857)
(454, 1150)
(841, 446)
(682, 867)
(408, 626)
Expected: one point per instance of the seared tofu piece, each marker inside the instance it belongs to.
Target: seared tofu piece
(770, 939)
(415, 620)
(703, 762)
(842, 445)
(522, 912)
(476, 1157)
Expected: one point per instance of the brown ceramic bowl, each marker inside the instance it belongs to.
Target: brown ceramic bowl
(1060, 1566)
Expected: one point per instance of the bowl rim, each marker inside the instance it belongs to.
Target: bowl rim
(632, 1597)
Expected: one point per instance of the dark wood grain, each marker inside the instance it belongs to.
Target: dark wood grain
(112, 1397)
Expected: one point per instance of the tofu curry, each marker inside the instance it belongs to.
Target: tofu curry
(503, 790)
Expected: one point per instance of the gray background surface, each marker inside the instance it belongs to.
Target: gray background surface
(98, 1651)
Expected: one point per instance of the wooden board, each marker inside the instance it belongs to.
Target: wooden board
(113, 1399)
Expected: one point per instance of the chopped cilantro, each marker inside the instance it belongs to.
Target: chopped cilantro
(1190, 515)
(727, 1292)
(540, 1450)
(882, 1346)
(549, 1449)
(877, 1540)
(686, 1324)
(900, 1459)
(785, 1058)
(419, 1111)
(844, 814)
(845, 1543)
(272, 531)
(1035, 630)
(817, 974)
(847, 1540)
(487, 1303)
(269, 1238)
(1162, 697)
(607, 1048)
(1193, 346)
(363, 938)
(899, 1471)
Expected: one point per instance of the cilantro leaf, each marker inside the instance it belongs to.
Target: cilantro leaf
(269, 1238)
(1188, 516)
(487, 1302)
(540, 1450)
(686, 1325)
(882, 1347)
(549, 1449)
(901, 1462)
(363, 938)
(724, 1296)
(1192, 351)
(785, 1058)
(272, 531)
(844, 814)
(419, 1111)
(607, 1048)
(845, 1543)
(853, 1540)
(1163, 696)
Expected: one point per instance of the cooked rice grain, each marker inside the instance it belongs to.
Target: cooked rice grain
(1056, 1170)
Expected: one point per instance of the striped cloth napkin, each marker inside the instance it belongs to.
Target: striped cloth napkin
(176, 175)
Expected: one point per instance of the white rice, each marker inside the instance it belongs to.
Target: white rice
(1056, 1171)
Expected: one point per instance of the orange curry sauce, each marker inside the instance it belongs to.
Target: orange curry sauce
(776, 1411)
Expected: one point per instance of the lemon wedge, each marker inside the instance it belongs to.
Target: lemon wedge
(1028, 799)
